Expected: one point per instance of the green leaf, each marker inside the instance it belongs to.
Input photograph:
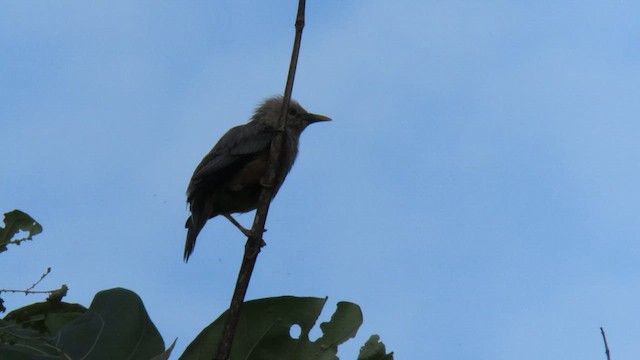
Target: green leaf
(116, 326)
(264, 327)
(373, 349)
(18, 343)
(55, 322)
(16, 221)
(46, 317)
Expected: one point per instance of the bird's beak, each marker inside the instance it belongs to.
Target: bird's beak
(315, 118)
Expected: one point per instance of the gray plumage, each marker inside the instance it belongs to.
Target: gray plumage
(229, 178)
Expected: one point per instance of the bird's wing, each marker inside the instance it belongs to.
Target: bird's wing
(238, 146)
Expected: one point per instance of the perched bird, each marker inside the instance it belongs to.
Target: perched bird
(230, 177)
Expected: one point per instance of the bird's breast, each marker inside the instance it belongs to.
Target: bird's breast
(250, 174)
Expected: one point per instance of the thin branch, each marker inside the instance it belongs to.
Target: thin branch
(41, 277)
(54, 295)
(29, 291)
(254, 242)
(606, 346)
(26, 292)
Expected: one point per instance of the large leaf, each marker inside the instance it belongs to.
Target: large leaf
(20, 343)
(116, 326)
(14, 222)
(265, 324)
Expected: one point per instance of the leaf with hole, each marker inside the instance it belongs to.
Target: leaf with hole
(263, 331)
(14, 222)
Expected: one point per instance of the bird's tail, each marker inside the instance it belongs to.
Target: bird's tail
(194, 225)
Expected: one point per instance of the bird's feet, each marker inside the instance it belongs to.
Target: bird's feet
(245, 231)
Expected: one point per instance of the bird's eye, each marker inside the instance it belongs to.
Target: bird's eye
(293, 112)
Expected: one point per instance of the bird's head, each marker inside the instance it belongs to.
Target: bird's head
(297, 117)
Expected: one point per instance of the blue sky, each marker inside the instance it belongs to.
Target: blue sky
(476, 193)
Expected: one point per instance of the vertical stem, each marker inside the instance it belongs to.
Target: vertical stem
(606, 346)
(254, 243)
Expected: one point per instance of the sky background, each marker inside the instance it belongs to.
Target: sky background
(476, 194)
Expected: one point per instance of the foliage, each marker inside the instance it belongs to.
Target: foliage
(116, 325)
(373, 349)
(16, 221)
(46, 317)
(18, 343)
(264, 328)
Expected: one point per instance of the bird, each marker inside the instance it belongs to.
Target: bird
(230, 178)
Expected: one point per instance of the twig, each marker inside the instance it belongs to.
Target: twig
(606, 346)
(26, 292)
(41, 277)
(29, 291)
(54, 295)
(254, 243)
